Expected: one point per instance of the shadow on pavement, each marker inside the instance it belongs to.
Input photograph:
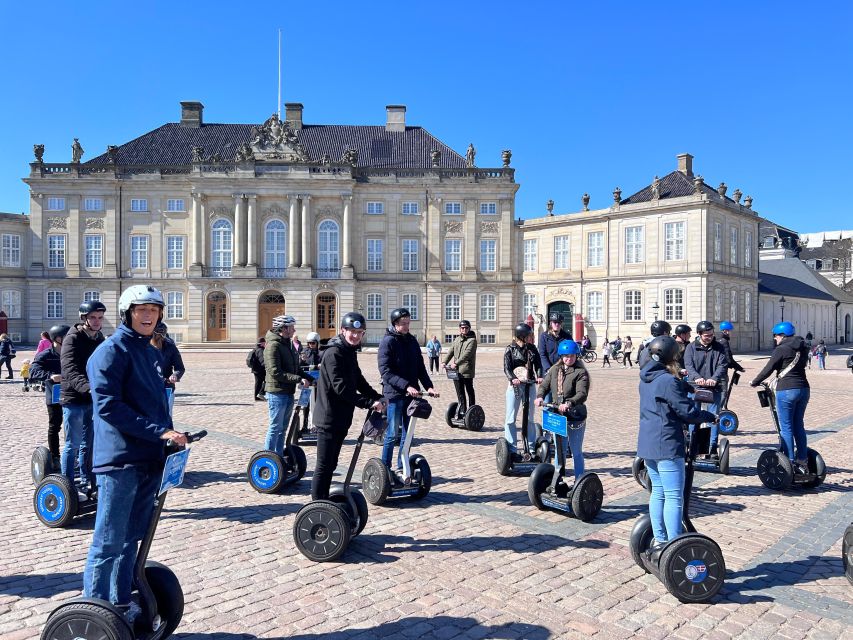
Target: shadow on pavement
(195, 479)
(744, 586)
(247, 515)
(41, 586)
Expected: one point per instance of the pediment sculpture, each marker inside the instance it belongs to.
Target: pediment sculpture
(276, 140)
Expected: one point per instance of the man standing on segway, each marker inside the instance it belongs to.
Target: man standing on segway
(725, 337)
(682, 339)
(462, 357)
(707, 366)
(657, 329)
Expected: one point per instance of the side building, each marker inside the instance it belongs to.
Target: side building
(237, 223)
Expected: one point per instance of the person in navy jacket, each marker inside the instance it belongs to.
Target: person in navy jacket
(665, 412)
(132, 424)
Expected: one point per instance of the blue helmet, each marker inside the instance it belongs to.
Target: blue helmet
(726, 325)
(568, 348)
(783, 328)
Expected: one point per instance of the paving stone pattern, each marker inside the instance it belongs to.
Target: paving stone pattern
(472, 560)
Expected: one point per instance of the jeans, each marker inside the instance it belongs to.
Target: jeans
(514, 396)
(329, 445)
(398, 422)
(125, 506)
(280, 407)
(821, 361)
(791, 407)
(666, 504)
(575, 441)
(713, 407)
(79, 435)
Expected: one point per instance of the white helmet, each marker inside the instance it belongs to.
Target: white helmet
(138, 294)
(313, 337)
(282, 321)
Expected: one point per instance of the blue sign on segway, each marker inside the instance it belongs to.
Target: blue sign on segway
(173, 472)
(555, 423)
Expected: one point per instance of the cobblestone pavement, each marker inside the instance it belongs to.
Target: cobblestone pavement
(472, 560)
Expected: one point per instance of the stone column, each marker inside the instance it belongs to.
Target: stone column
(347, 240)
(74, 245)
(306, 231)
(293, 233)
(252, 235)
(239, 231)
(198, 213)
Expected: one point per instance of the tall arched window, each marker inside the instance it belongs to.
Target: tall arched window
(328, 250)
(275, 245)
(222, 245)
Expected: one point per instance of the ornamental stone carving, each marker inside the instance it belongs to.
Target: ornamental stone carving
(38, 152)
(274, 210)
(490, 227)
(276, 140)
(328, 212)
(698, 181)
(220, 212)
(57, 223)
(747, 202)
(617, 196)
(585, 201)
(76, 151)
(198, 154)
(722, 189)
(452, 226)
(470, 155)
(436, 157)
(506, 156)
(94, 223)
(737, 195)
(112, 152)
(656, 188)
(350, 157)
(557, 292)
(244, 153)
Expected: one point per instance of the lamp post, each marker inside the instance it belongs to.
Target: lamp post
(782, 307)
(655, 309)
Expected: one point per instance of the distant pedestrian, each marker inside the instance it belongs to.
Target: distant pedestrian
(433, 348)
(628, 348)
(7, 352)
(821, 351)
(44, 343)
(606, 350)
(255, 362)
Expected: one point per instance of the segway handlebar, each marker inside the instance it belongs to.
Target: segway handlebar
(424, 394)
(194, 437)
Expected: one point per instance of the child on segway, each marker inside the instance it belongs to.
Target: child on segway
(46, 368)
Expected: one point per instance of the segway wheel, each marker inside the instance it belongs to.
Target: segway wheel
(296, 455)
(817, 467)
(847, 553)
(475, 418)
(41, 464)
(83, 620)
(55, 501)
(724, 456)
(419, 463)
(322, 531)
(266, 472)
(641, 539)
(728, 422)
(375, 481)
(358, 519)
(775, 470)
(450, 414)
(503, 456)
(692, 568)
(168, 594)
(641, 474)
(539, 481)
(587, 496)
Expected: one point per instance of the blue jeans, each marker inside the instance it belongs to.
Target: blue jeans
(79, 435)
(125, 506)
(575, 441)
(713, 407)
(398, 422)
(280, 407)
(514, 396)
(791, 407)
(666, 503)
(821, 361)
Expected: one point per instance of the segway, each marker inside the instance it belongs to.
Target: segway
(728, 419)
(509, 463)
(156, 588)
(549, 490)
(305, 434)
(847, 553)
(41, 463)
(269, 472)
(774, 466)
(380, 483)
(691, 565)
(323, 529)
(474, 417)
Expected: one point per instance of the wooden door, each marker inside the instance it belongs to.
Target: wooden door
(327, 315)
(270, 305)
(217, 317)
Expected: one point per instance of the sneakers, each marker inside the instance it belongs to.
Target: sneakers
(801, 468)
(130, 611)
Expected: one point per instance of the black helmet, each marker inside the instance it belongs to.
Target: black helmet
(90, 306)
(522, 331)
(399, 313)
(464, 323)
(353, 320)
(556, 317)
(704, 326)
(663, 349)
(660, 328)
(682, 328)
(58, 331)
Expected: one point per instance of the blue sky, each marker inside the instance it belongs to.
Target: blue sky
(587, 95)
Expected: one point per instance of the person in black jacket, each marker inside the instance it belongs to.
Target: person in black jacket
(707, 367)
(255, 362)
(550, 340)
(521, 354)
(341, 388)
(789, 360)
(7, 352)
(77, 348)
(725, 338)
(170, 359)
(46, 368)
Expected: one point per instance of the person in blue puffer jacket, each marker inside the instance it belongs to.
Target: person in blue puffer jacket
(665, 412)
(132, 423)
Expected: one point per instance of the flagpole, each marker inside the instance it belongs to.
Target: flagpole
(278, 105)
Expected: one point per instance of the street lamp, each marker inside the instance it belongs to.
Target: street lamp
(782, 307)
(655, 309)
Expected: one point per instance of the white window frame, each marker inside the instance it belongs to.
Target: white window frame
(747, 250)
(452, 306)
(718, 304)
(487, 338)
(91, 296)
(561, 252)
(410, 255)
(488, 255)
(531, 254)
(633, 305)
(488, 208)
(10, 302)
(93, 204)
(452, 255)
(374, 208)
(747, 306)
(673, 304)
(174, 305)
(175, 247)
(595, 249)
(733, 245)
(488, 307)
(11, 250)
(528, 301)
(410, 208)
(176, 205)
(54, 305)
(718, 242)
(674, 233)
(453, 208)
(275, 244)
(56, 250)
(55, 203)
(139, 204)
(139, 252)
(595, 306)
(410, 302)
(222, 244)
(635, 250)
(374, 306)
(93, 246)
(328, 246)
(733, 306)
(375, 261)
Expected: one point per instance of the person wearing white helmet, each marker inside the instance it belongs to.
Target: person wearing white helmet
(132, 424)
(310, 355)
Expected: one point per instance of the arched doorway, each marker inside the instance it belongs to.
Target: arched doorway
(327, 319)
(270, 305)
(217, 316)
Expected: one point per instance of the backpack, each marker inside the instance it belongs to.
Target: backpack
(850, 362)
(250, 359)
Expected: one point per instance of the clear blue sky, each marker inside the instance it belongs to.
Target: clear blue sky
(587, 95)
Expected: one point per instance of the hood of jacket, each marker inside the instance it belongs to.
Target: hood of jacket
(791, 345)
(652, 371)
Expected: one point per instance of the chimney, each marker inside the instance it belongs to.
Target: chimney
(396, 117)
(685, 164)
(293, 114)
(191, 114)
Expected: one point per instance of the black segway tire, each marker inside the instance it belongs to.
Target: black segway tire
(539, 481)
(85, 620)
(358, 519)
(692, 568)
(375, 482)
(419, 463)
(55, 501)
(322, 531)
(41, 464)
(775, 470)
(847, 553)
(503, 456)
(641, 539)
(168, 594)
(587, 496)
(475, 418)
(816, 466)
(297, 457)
(641, 474)
(450, 414)
(266, 472)
(724, 456)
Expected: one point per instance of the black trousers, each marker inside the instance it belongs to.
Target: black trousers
(259, 383)
(329, 445)
(464, 385)
(54, 424)
(628, 359)
(8, 362)
(433, 362)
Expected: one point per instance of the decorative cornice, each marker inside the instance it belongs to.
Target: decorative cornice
(452, 226)
(490, 227)
(94, 223)
(57, 222)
